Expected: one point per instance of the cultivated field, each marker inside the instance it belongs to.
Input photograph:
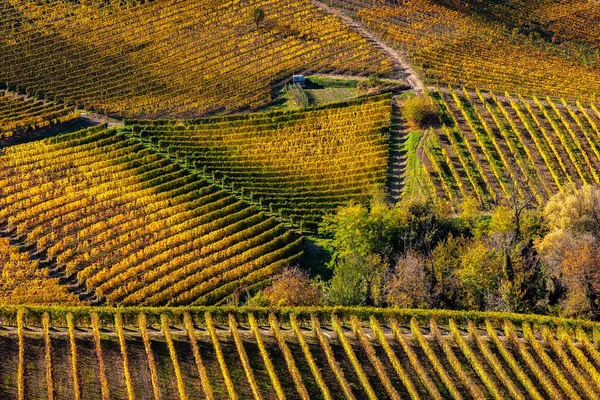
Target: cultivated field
(293, 353)
(117, 219)
(18, 115)
(297, 164)
(176, 58)
(493, 146)
(536, 47)
(159, 169)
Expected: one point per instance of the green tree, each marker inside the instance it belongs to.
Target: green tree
(356, 280)
(479, 274)
(258, 15)
(362, 243)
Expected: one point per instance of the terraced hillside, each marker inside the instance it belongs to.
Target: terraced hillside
(120, 221)
(18, 114)
(293, 353)
(538, 47)
(297, 164)
(491, 146)
(171, 57)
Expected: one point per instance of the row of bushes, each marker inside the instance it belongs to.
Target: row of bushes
(82, 316)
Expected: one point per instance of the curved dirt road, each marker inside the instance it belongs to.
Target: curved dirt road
(403, 69)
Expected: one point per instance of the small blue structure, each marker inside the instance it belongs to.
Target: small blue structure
(299, 79)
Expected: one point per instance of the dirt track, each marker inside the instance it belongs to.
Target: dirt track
(404, 70)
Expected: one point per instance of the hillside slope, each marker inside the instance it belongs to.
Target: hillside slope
(536, 47)
(171, 57)
(121, 221)
(299, 164)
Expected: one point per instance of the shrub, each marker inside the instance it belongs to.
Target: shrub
(372, 82)
(292, 288)
(418, 111)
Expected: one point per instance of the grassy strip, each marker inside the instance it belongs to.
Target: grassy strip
(432, 145)
(123, 345)
(575, 140)
(189, 327)
(219, 352)
(266, 359)
(376, 362)
(546, 137)
(143, 325)
(48, 355)
(21, 367)
(471, 152)
(374, 359)
(479, 136)
(475, 361)
(164, 321)
(532, 363)
(415, 170)
(289, 359)
(233, 327)
(455, 363)
(557, 374)
(412, 357)
(558, 349)
(521, 140)
(493, 361)
(101, 365)
(71, 327)
(589, 347)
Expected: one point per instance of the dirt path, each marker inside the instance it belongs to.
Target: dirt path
(92, 118)
(403, 69)
(97, 119)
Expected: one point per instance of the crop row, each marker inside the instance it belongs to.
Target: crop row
(18, 114)
(264, 354)
(181, 58)
(132, 227)
(493, 147)
(298, 164)
(452, 44)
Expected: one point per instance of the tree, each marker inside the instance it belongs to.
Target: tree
(571, 250)
(575, 210)
(408, 285)
(445, 261)
(523, 288)
(364, 240)
(356, 280)
(258, 15)
(291, 288)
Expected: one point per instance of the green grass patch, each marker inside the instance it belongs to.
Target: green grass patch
(415, 182)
